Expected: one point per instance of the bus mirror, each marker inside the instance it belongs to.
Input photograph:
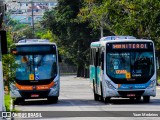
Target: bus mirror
(3, 39)
(59, 58)
(102, 61)
(13, 51)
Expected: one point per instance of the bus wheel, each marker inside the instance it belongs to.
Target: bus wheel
(102, 98)
(17, 101)
(146, 99)
(96, 96)
(53, 99)
(107, 99)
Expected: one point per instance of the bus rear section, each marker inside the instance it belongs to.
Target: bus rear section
(127, 69)
(37, 72)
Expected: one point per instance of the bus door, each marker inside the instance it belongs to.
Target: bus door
(93, 68)
(98, 70)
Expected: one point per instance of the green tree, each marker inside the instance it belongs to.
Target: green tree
(71, 36)
(9, 65)
(139, 18)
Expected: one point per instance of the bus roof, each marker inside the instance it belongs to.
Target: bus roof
(103, 43)
(116, 38)
(35, 42)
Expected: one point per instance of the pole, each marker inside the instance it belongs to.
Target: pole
(32, 20)
(101, 28)
(2, 105)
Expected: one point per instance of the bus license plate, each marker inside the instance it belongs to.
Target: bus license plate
(34, 95)
(131, 95)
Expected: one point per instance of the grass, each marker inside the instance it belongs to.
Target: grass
(7, 99)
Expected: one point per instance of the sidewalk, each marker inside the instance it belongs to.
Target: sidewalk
(158, 87)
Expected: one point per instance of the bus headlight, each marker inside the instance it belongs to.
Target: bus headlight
(55, 84)
(110, 86)
(152, 84)
(13, 87)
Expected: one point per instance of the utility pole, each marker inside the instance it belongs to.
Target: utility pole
(32, 19)
(101, 28)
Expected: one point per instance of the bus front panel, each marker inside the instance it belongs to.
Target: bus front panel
(130, 69)
(37, 71)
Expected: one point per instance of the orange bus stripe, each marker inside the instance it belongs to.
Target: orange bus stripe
(38, 87)
(24, 87)
(44, 87)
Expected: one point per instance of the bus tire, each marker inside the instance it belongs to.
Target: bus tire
(96, 96)
(53, 99)
(102, 98)
(18, 101)
(107, 99)
(146, 99)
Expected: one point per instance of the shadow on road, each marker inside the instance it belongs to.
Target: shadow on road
(126, 101)
(85, 102)
(62, 102)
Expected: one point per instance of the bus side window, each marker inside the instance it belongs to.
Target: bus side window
(99, 57)
(91, 58)
(94, 56)
(102, 60)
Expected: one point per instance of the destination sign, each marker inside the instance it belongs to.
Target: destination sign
(34, 49)
(130, 46)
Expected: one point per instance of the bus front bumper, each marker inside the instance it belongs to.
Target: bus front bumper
(131, 93)
(31, 94)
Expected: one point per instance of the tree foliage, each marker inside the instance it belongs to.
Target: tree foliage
(139, 18)
(71, 36)
(75, 25)
(9, 65)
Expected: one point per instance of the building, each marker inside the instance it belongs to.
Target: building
(2, 9)
(21, 10)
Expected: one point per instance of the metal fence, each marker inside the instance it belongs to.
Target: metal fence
(67, 69)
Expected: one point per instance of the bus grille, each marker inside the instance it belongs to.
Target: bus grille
(137, 93)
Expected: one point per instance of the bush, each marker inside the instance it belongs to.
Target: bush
(7, 100)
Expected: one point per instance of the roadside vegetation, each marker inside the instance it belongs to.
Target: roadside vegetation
(7, 100)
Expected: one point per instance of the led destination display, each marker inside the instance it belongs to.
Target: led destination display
(130, 46)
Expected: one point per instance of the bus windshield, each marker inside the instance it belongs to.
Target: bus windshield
(37, 66)
(130, 66)
(40, 66)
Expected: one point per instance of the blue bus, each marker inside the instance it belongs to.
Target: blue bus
(123, 67)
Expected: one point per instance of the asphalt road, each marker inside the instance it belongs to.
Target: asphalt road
(77, 96)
